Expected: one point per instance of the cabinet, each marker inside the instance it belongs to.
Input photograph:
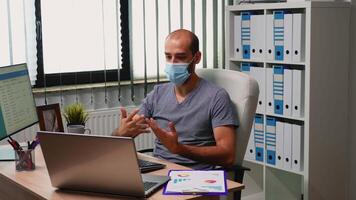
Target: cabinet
(254, 38)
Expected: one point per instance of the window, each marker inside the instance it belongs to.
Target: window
(17, 35)
(80, 41)
(153, 20)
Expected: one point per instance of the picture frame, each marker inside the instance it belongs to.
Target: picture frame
(50, 118)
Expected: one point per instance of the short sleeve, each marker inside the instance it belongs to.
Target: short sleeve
(222, 110)
(146, 107)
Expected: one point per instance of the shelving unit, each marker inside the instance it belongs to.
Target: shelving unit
(325, 70)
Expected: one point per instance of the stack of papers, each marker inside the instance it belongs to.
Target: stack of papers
(209, 182)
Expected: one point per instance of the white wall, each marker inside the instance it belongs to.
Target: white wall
(352, 128)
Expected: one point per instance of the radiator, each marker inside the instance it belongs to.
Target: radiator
(103, 122)
(100, 122)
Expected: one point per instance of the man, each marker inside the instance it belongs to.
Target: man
(193, 119)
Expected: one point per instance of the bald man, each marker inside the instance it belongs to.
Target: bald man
(192, 118)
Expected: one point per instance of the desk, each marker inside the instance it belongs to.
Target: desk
(36, 184)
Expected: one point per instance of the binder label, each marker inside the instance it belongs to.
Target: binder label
(271, 140)
(245, 34)
(278, 34)
(278, 89)
(259, 138)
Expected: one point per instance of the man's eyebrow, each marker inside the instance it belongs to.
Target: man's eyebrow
(178, 54)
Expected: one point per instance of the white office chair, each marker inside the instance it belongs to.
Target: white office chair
(243, 91)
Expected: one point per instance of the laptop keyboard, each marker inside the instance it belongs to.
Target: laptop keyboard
(145, 163)
(148, 185)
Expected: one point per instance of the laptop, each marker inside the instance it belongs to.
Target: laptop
(103, 164)
(147, 166)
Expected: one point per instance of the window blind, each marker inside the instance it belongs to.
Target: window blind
(18, 34)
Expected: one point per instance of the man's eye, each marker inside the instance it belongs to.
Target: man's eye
(181, 58)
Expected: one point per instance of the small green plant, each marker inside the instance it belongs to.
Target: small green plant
(75, 114)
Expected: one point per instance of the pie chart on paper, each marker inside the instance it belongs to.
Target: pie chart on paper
(210, 181)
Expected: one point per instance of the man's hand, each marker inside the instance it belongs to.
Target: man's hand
(131, 125)
(168, 138)
(223, 153)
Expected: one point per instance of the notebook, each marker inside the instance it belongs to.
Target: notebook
(92, 163)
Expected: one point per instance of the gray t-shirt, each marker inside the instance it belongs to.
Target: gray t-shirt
(206, 107)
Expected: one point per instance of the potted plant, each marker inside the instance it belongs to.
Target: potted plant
(76, 116)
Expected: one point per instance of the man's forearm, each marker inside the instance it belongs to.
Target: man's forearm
(209, 154)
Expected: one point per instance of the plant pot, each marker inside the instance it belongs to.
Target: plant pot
(77, 129)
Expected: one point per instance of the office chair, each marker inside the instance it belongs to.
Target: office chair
(243, 91)
(50, 118)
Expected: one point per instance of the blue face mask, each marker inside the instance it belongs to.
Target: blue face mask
(177, 72)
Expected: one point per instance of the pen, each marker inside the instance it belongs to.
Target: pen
(18, 147)
(12, 144)
(34, 143)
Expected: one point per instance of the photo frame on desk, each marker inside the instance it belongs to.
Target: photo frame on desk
(50, 118)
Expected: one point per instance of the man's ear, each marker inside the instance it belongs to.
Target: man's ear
(195, 61)
(197, 57)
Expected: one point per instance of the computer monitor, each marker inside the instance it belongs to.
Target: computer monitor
(17, 105)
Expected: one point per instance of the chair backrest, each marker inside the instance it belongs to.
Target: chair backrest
(50, 118)
(243, 91)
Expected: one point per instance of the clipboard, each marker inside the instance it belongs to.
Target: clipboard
(196, 182)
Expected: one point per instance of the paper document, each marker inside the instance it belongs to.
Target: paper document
(210, 182)
(7, 153)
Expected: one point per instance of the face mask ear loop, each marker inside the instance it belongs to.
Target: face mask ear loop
(190, 63)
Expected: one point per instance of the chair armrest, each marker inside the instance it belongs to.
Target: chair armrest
(145, 150)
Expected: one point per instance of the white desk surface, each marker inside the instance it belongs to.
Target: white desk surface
(36, 184)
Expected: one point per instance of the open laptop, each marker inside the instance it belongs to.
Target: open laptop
(91, 163)
(147, 166)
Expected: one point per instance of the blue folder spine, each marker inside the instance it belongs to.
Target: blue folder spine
(246, 34)
(278, 71)
(259, 137)
(278, 34)
(271, 140)
(245, 67)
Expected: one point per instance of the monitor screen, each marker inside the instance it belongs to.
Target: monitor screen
(17, 105)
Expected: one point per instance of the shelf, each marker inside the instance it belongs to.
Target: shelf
(246, 60)
(282, 116)
(286, 170)
(254, 162)
(266, 61)
(284, 63)
(286, 117)
(289, 5)
(263, 6)
(271, 182)
(273, 166)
